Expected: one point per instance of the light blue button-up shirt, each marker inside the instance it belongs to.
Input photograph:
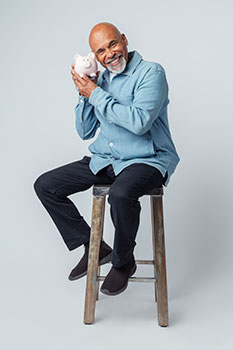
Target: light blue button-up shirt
(131, 112)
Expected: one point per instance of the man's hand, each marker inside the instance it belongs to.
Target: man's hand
(84, 85)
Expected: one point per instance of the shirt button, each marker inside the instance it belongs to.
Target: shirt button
(110, 122)
(81, 101)
(111, 144)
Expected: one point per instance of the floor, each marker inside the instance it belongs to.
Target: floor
(44, 310)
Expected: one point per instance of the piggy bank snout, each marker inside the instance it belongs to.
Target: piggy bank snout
(86, 64)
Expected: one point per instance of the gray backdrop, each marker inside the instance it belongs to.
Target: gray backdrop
(40, 308)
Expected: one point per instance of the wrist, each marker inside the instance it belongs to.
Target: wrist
(92, 90)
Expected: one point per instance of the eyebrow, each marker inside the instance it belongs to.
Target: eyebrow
(100, 49)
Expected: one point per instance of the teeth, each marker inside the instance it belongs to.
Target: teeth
(115, 60)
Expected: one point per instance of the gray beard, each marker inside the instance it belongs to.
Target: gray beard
(121, 67)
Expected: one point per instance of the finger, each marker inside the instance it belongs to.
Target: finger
(78, 78)
(75, 73)
(74, 77)
(85, 77)
(77, 84)
(80, 82)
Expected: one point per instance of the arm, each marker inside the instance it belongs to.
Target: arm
(148, 101)
(86, 121)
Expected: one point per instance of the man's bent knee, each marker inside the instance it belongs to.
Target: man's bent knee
(119, 196)
(41, 183)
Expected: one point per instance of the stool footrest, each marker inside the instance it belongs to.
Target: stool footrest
(147, 262)
(144, 262)
(133, 279)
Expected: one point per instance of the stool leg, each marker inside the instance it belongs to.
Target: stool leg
(97, 284)
(160, 260)
(98, 272)
(153, 247)
(93, 258)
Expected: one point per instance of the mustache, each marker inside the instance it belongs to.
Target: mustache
(113, 59)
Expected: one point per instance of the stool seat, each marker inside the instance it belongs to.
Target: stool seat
(102, 190)
(158, 246)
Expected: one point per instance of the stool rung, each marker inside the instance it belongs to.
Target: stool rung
(133, 279)
(147, 262)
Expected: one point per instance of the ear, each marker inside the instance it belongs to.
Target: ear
(125, 39)
(91, 55)
(76, 56)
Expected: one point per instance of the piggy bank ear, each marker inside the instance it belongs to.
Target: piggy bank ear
(92, 55)
(76, 56)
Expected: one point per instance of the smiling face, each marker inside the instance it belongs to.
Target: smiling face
(109, 46)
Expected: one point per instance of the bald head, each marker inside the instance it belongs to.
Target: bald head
(101, 30)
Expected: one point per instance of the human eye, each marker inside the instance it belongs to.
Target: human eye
(99, 52)
(113, 43)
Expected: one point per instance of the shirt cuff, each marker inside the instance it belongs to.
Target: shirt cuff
(82, 99)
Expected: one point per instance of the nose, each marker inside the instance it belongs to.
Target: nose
(109, 53)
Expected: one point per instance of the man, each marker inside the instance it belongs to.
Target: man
(133, 152)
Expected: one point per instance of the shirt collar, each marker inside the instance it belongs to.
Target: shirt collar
(135, 59)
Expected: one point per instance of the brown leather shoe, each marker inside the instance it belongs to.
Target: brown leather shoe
(80, 270)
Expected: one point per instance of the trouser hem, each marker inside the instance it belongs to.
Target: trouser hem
(75, 245)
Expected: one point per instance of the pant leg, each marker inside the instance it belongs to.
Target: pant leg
(53, 187)
(133, 182)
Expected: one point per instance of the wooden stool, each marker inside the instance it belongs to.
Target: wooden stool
(159, 259)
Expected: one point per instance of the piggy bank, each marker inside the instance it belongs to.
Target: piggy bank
(86, 64)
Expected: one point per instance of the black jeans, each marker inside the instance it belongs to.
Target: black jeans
(54, 186)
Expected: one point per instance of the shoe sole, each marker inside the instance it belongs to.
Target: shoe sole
(106, 291)
(103, 261)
